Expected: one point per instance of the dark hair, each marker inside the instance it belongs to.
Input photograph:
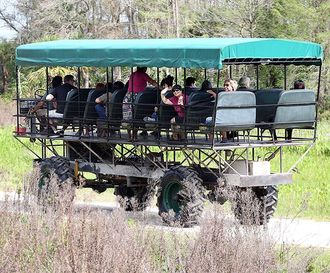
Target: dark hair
(68, 78)
(299, 84)
(99, 86)
(140, 68)
(206, 85)
(176, 87)
(162, 83)
(108, 85)
(118, 85)
(169, 80)
(190, 81)
(57, 81)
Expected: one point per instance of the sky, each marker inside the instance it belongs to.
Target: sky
(5, 31)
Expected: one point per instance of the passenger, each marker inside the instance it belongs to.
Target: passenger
(137, 83)
(244, 84)
(206, 85)
(178, 101)
(229, 86)
(38, 109)
(101, 100)
(56, 81)
(298, 84)
(167, 83)
(60, 93)
(191, 82)
(190, 85)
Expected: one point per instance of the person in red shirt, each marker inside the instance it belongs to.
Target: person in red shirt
(178, 101)
(138, 81)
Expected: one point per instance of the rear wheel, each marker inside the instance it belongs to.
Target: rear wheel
(256, 205)
(181, 197)
(135, 198)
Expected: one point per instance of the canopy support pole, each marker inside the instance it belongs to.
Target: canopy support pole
(48, 103)
(257, 72)
(17, 97)
(176, 75)
(285, 79)
(317, 100)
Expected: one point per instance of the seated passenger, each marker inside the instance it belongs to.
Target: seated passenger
(101, 101)
(190, 82)
(60, 93)
(190, 85)
(298, 84)
(178, 101)
(137, 83)
(207, 87)
(39, 110)
(244, 84)
(229, 86)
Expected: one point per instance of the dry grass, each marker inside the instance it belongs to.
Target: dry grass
(57, 237)
(7, 110)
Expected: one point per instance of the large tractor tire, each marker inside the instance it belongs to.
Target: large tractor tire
(256, 205)
(135, 198)
(181, 197)
(56, 181)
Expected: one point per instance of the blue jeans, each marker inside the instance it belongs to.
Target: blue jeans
(100, 110)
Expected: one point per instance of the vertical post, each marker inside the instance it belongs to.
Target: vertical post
(205, 76)
(17, 98)
(285, 79)
(317, 100)
(215, 107)
(184, 101)
(281, 159)
(230, 71)
(132, 101)
(108, 102)
(48, 103)
(176, 75)
(257, 72)
(79, 115)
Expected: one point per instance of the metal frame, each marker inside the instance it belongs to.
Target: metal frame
(209, 156)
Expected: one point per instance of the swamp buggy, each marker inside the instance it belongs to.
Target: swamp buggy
(198, 167)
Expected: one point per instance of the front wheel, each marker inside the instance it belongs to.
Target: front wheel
(181, 197)
(54, 184)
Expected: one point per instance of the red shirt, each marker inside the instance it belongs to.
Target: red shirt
(139, 80)
(179, 107)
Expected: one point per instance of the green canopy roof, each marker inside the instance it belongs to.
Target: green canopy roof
(186, 52)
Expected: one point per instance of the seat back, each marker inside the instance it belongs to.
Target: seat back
(75, 104)
(166, 112)
(232, 119)
(144, 104)
(115, 106)
(189, 90)
(266, 104)
(200, 106)
(90, 114)
(295, 116)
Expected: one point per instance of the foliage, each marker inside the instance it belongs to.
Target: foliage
(292, 19)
